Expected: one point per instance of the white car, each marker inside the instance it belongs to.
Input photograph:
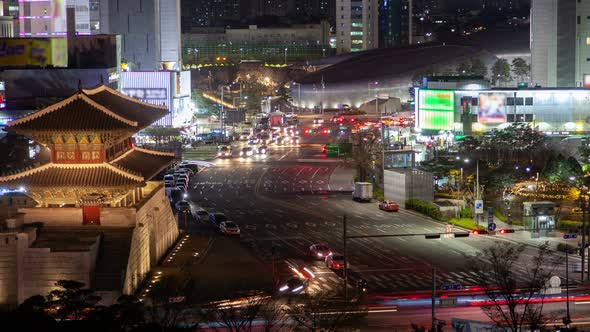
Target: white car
(229, 228)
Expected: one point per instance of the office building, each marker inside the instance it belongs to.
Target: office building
(150, 31)
(394, 22)
(356, 25)
(42, 18)
(560, 43)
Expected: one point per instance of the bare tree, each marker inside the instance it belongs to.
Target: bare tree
(275, 317)
(510, 302)
(236, 315)
(315, 313)
(167, 301)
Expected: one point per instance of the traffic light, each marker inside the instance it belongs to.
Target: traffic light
(479, 232)
(506, 231)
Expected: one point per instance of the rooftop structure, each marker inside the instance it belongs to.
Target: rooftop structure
(92, 153)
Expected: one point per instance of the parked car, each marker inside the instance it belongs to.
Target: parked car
(183, 206)
(201, 215)
(176, 194)
(389, 206)
(185, 170)
(319, 251)
(189, 165)
(216, 218)
(229, 228)
(182, 183)
(335, 261)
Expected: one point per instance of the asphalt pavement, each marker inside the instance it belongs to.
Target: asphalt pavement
(282, 204)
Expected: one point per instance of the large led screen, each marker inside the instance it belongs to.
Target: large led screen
(436, 109)
(491, 108)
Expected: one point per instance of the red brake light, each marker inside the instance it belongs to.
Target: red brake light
(502, 231)
(475, 232)
(352, 119)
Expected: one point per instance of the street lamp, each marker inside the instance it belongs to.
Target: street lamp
(241, 49)
(477, 196)
(369, 89)
(299, 95)
(286, 55)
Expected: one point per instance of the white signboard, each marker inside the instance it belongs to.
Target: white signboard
(478, 206)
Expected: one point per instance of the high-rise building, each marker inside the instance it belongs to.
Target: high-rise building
(560, 43)
(42, 18)
(48, 17)
(81, 14)
(394, 22)
(356, 25)
(150, 31)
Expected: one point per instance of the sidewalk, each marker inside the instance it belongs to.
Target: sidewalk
(525, 236)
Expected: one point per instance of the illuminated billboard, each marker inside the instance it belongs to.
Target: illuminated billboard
(436, 109)
(491, 108)
(586, 81)
(34, 52)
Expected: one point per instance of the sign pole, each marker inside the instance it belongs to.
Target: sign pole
(345, 257)
(567, 282)
(433, 299)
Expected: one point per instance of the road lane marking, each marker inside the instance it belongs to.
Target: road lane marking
(316, 172)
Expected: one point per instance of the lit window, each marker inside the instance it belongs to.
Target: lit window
(587, 40)
(357, 25)
(356, 33)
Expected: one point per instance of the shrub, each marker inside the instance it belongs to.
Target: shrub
(562, 247)
(499, 215)
(378, 193)
(569, 225)
(465, 213)
(424, 208)
(465, 223)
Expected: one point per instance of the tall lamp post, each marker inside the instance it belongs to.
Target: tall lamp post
(369, 89)
(286, 55)
(583, 200)
(476, 191)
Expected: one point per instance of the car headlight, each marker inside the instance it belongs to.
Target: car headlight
(241, 153)
(284, 288)
(320, 254)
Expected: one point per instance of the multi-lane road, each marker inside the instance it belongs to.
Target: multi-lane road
(283, 203)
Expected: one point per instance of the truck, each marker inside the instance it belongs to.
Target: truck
(276, 119)
(363, 192)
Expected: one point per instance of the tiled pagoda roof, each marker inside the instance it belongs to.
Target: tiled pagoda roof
(145, 162)
(99, 109)
(53, 175)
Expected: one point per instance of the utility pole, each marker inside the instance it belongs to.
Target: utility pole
(584, 208)
(567, 289)
(345, 257)
(433, 299)
(221, 124)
